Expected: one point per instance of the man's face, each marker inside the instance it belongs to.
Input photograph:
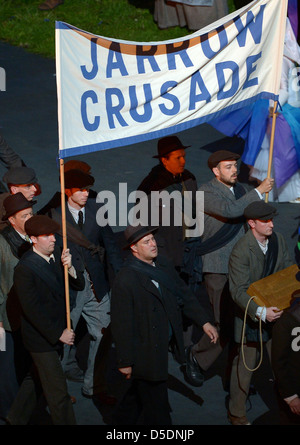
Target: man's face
(226, 172)
(18, 220)
(261, 229)
(28, 190)
(145, 249)
(77, 198)
(175, 162)
(44, 243)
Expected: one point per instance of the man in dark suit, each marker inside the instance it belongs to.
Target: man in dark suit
(93, 303)
(170, 175)
(39, 283)
(147, 298)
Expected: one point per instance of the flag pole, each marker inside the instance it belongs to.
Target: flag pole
(273, 115)
(64, 235)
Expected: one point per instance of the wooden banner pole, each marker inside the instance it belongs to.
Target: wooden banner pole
(274, 115)
(64, 235)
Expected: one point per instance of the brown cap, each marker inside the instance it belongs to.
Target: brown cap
(134, 233)
(167, 145)
(260, 210)
(15, 203)
(39, 225)
(221, 155)
(74, 164)
(78, 179)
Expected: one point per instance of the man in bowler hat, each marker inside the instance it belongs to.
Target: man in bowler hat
(224, 202)
(170, 175)
(13, 244)
(147, 296)
(39, 284)
(258, 254)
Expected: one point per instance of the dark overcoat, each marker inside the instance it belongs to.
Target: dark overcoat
(41, 294)
(142, 315)
(84, 258)
(170, 235)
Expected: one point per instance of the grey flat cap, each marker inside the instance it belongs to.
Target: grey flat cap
(20, 175)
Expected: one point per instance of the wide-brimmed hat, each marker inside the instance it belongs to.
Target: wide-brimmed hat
(221, 155)
(78, 179)
(134, 233)
(39, 225)
(14, 204)
(20, 175)
(167, 145)
(260, 210)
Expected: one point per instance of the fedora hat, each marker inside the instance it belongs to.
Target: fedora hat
(134, 233)
(167, 145)
(15, 203)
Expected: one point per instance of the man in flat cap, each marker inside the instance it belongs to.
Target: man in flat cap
(13, 244)
(39, 284)
(93, 303)
(19, 179)
(224, 202)
(258, 254)
(147, 296)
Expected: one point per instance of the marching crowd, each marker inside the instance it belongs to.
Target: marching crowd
(141, 297)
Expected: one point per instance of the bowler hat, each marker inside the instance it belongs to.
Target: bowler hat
(221, 155)
(260, 210)
(78, 179)
(167, 145)
(15, 203)
(134, 233)
(39, 225)
(20, 175)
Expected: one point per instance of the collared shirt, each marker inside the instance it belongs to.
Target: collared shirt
(72, 270)
(74, 212)
(24, 237)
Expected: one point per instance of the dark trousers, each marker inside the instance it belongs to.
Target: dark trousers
(8, 379)
(147, 399)
(48, 376)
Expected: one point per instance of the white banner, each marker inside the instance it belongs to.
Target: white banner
(196, 2)
(113, 93)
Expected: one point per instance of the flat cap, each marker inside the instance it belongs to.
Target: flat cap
(15, 203)
(20, 175)
(39, 225)
(74, 164)
(168, 144)
(260, 210)
(221, 155)
(78, 179)
(134, 233)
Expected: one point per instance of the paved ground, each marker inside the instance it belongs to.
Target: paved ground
(28, 120)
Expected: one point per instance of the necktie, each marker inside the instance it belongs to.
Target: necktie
(51, 262)
(27, 238)
(80, 219)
